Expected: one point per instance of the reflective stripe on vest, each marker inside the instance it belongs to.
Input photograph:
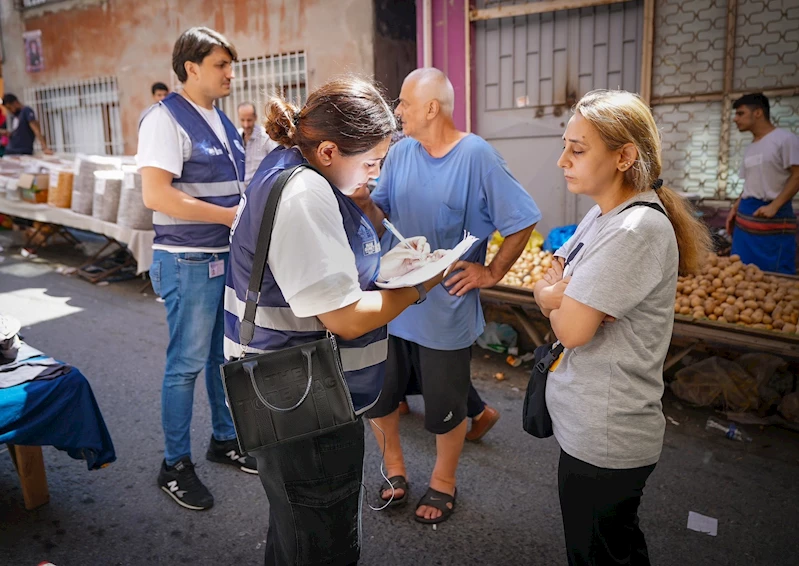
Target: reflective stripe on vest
(276, 326)
(208, 175)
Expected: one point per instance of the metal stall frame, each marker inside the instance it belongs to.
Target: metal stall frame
(727, 96)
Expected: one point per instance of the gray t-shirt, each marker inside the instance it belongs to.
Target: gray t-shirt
(767, 164)
(605, 396)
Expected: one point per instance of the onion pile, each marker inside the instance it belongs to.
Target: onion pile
(528, 269)
(728, 291)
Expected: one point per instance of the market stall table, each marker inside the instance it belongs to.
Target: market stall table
(689, 334)
(60, 412)
(138, 242)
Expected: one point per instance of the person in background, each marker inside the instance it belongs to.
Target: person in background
(159, 92)
(257, 144)
(610, 300)
(192, 168)
(23, 128)
(323, 261)
(762, 221)
(3, 136)
(439, 183)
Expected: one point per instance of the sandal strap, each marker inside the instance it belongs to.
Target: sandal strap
(440, 501)
(397, 482)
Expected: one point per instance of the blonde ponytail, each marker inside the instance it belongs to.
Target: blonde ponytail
(693, 238)
(621, 117)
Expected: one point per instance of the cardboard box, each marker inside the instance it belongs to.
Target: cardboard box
(34, 186)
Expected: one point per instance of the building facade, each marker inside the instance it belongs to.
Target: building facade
(99, 57)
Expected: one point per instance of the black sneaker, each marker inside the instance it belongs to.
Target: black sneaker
(181, 483)
(228, 453)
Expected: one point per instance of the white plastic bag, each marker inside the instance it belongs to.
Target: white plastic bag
(497, 337)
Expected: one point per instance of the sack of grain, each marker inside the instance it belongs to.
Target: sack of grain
(107, 192)
(60, 189)
(83, 184)
(132, 212)
(9, 188)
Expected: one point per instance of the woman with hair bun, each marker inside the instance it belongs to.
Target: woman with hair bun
(610, 300)
(322, 264)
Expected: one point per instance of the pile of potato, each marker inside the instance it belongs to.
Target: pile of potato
(728, 291)
(528, 269)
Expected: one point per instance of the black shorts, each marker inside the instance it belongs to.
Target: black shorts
(443, 375)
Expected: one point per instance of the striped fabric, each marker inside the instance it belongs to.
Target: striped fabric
(769, 243)
(214, 173)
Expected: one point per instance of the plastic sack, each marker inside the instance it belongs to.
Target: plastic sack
(716, 382)
(771, 383)
(789, 407)
(497, 337)
(558, 236)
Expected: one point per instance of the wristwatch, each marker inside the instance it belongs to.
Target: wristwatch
(422, 293)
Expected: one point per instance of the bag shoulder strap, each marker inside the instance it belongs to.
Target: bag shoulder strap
(652, 205)
(247, 327)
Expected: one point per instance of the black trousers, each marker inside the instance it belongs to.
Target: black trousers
(314, 491)
(600, 513)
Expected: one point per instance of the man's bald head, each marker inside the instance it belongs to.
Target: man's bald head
(247, 107)
(430, 83)
(247, 118)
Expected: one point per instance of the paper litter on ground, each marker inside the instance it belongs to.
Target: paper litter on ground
(702, 523)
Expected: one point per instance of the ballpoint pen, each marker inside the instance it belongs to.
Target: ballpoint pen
(390, 227)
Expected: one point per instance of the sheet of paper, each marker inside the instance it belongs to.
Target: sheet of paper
(426, 272)
(702, 523)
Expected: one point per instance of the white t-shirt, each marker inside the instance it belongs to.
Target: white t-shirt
(164, 144)
(310, 256)
(767, 164)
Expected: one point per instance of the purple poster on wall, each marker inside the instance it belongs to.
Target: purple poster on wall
(34, 58)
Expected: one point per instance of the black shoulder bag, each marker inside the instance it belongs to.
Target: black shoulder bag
(286, 394)
(535, 415)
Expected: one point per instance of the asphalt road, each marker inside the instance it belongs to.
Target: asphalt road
(508, 511)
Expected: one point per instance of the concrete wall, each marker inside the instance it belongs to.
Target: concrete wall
(133, 40)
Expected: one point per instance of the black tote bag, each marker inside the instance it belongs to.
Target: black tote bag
(287, 394)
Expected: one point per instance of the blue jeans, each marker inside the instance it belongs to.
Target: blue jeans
(195, 315)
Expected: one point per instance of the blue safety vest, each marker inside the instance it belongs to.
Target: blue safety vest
(209, 175)
(276, 327)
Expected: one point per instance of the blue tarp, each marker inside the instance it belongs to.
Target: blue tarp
(60, 412)
(558, 236)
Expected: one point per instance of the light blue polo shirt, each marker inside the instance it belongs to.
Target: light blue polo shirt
(469, 189)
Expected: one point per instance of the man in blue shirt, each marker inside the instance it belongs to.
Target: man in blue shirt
(23, 128)
(439, 183)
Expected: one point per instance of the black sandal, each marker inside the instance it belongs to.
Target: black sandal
(439, 500)
(397, 482)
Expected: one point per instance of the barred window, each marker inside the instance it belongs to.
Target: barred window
(256, 78)
(79, 117)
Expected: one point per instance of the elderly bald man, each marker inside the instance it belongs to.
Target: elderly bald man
(439, 182)
(257, 144)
